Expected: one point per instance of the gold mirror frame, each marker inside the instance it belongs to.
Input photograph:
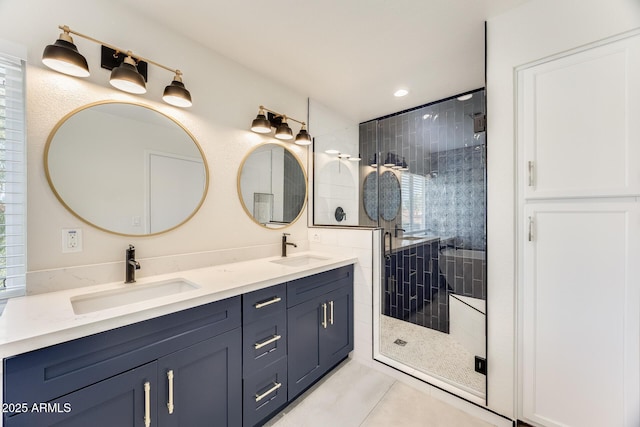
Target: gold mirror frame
(62, 121)
(239, 188)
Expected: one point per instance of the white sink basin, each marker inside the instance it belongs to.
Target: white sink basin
(298, 261)
(96, 301)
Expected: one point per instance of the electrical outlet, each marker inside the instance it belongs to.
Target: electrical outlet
(316, 237)
(481, 365)
(71, 240)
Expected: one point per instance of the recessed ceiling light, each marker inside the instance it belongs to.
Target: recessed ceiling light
(465, 97)
(400, 92)
(331, 151)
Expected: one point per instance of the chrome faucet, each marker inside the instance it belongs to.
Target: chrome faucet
(131, 265)
(285, 244)
(396, 229)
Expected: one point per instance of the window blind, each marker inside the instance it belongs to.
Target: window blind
(12, 178)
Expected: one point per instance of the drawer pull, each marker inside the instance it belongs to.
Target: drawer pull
(331, 312)
(147, 404)
(324, 315)
(267, 342)
(276, 386)
(170, 402)
(266, 303)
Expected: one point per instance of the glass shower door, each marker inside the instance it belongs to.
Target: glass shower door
(431, 183)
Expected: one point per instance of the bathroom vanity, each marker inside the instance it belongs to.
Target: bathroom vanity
(233, 352)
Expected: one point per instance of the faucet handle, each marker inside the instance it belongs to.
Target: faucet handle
(286, 234)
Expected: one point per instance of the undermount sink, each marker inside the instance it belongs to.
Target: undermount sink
(298, 261)
(97, 301)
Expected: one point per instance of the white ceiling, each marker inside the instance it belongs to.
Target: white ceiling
(350, 55)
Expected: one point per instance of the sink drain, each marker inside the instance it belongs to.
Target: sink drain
(400, 342)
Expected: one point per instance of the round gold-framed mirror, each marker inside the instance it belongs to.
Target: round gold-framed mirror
(126, 168)
(272, 186)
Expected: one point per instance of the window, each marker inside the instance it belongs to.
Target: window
(413, 202)
(12, 178)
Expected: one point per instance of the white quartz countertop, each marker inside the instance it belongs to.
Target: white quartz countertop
(37, 321)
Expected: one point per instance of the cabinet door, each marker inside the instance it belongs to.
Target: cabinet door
(336, 339)
(577, 122)
(304, 360)
(580, 314)
(118, 401)
(206, 384)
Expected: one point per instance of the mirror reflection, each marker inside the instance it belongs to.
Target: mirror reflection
(125, 168)
(272, 186)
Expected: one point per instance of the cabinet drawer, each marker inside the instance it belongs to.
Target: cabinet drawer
(263, 302)
(264, 342)
(44, 374)
(265, 392)
(307, 288)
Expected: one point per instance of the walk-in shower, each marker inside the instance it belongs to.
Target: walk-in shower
(423, 181)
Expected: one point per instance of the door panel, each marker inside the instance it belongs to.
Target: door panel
(207, 383)
(337, 337)
(580, 315)
(118, 401)
(577, 123)
(303, 327)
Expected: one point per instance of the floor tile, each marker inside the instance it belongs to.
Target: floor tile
(403, 406)
(343, 399)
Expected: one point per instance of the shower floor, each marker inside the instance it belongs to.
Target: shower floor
(432, 352)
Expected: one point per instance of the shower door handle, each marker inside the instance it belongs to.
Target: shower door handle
(388, 254)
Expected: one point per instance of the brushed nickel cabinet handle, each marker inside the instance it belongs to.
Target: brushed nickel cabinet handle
(267, 342)
(530, 167)
(276, 386)
(266, 303)
(530, 229)
(147, 404)
(170, 402)
(331, 312)
(324, 315)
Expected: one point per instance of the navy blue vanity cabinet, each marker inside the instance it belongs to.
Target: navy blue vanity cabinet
(319, 325)
(118, 401)
(121, 377)
(199, 385)
(264, 349)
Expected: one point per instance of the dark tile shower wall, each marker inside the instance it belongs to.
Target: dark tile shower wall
(438, 142)
(414, 289)
(294, 188)
(432, 141)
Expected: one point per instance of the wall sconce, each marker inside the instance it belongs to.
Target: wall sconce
(264, 122)
(344, 156)
(128, 71)
(393, 161)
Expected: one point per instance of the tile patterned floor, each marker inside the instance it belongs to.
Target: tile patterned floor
(354, 395)
(431, 352)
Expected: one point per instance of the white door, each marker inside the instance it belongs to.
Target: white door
(578, 123)
(579, 240)
(580, 317)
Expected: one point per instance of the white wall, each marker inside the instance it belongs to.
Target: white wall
(537, 29)
(226, 98)
(335, 180)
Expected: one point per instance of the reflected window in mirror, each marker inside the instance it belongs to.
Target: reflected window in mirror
(272, 186)
(126, 168)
